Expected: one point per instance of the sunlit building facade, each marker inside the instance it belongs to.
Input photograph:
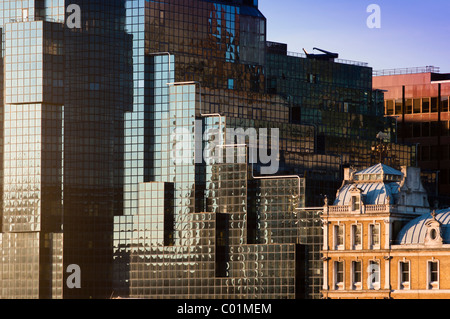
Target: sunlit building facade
(93, 172)
(419, 100)
(382, 240)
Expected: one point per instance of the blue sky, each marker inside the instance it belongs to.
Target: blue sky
(413, 32)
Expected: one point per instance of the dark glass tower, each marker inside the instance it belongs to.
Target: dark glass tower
(66, 92)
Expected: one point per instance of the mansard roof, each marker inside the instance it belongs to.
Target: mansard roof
(379, 184)
(380, 169)
(415, 231)
(372, 193)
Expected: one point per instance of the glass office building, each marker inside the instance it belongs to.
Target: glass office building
(66, 92)
(93, 175)
(208, 229)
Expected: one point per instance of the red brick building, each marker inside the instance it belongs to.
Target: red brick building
(419, 99)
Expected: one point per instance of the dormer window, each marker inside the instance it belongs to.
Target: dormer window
(379, 173)
(433, 235)
(355, 200)
(356, 203)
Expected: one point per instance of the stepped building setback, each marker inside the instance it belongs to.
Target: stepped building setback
(92, 170)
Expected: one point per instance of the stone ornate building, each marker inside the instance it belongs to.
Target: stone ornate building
(382, 240)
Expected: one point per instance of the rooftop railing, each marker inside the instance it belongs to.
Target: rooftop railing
(343, 61)
(366, 208)
(33, 19)
(403, 71)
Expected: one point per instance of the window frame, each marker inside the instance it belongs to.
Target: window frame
(431, 285)
(402, 284)
(336, 235)
(377, 284)
(372, 244)
(355, 245)
(357, 285)
(356, 203)
(339, 285)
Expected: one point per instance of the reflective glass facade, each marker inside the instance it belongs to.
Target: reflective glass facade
(207, 61)
(419, 99)
(65, 95)
(93, 176)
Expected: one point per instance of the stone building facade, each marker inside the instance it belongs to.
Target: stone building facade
(382, 240)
